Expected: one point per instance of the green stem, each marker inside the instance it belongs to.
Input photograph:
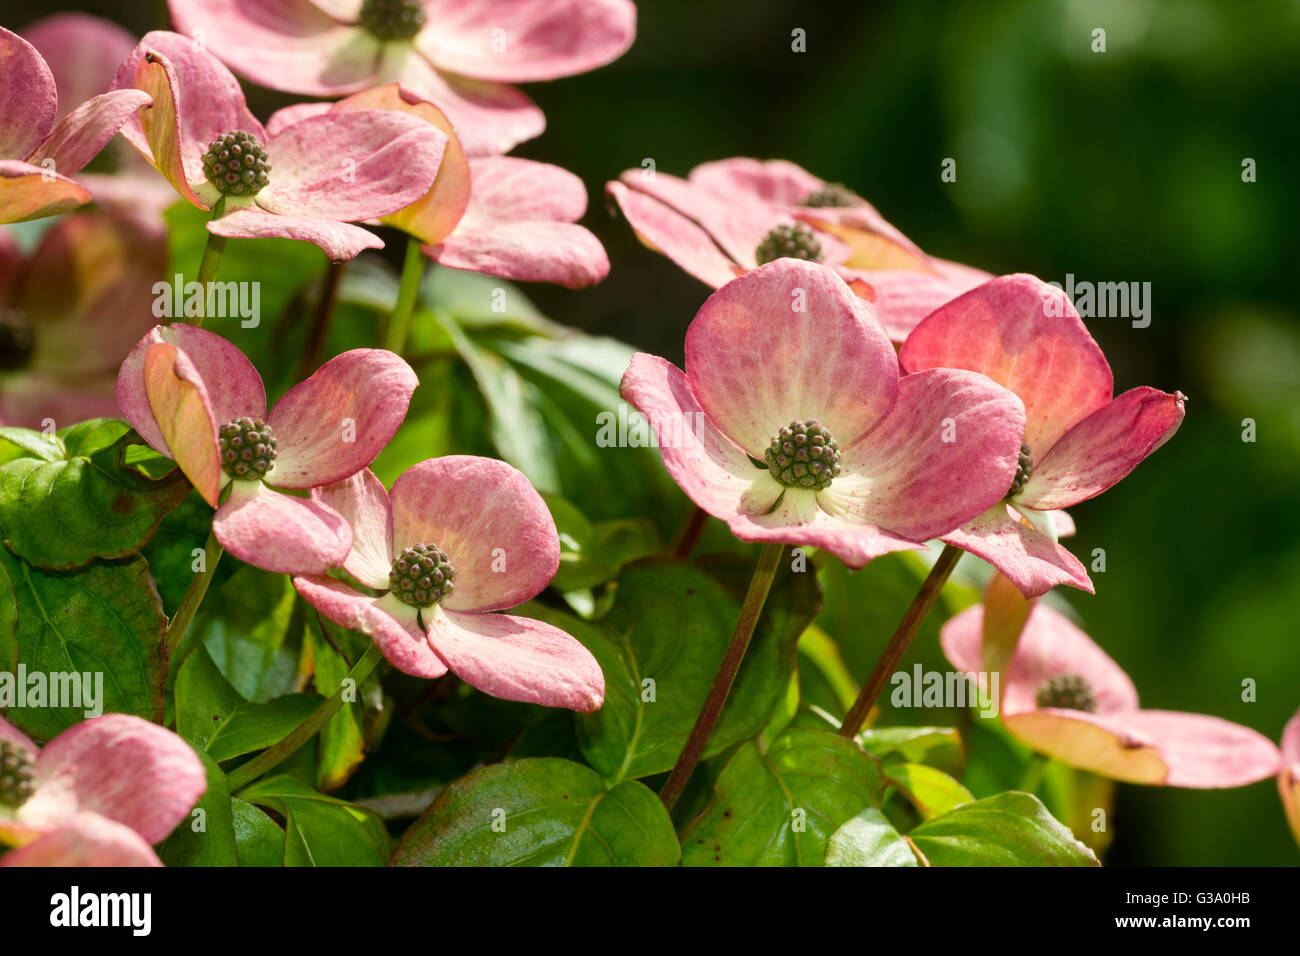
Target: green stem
(898, 644)
(246, 773)
(210, 265)
(399, 323)
(759, 586)
(180, 622)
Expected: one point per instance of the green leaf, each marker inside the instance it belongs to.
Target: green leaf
(576, 383)
(577, 538)
(938, 747)
(823, 676)
(1010, 829)
(670, 624)
(480, 301)
(10, 650)
(172, 550)
(621, 541)
(779, 808)
(63, 514)
(92, 435)
(259, 840)
(255, 726)
(869, 839)
(18, 443)
(249, 626)
(594, 554)
(1074, 797)
(553, 735)
(213, 844)
(343, 740)
(513, 421)
(931, 791)
(592, 366)
(104, 621)
(783, 715)
(320, 830)
(408, 771)
(204, 698)
(996, 761)
(540, 812)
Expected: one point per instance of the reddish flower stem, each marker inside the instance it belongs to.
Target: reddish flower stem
(759, 586)
(898, 644)
(322, 318)
(689, 536)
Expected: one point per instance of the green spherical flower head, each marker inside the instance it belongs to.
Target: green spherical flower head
(237, 164)
(1024, 471)
(17, 340)
(789, 241)
(1068, 691)
(803, 455)
(247, 448)
(422, 575)
(17, 774)
(835, 195)
(393, 19)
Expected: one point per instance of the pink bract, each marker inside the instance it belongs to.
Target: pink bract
(496, 215)
(521, 224)
(1026, 335)
(105, 791)
(712, 222)
(789, 342)
(39, 152)
(83, 53)
(1115, 739)
(463, 58)
(327, 171)
(71, 311)
(503, 548)
(1288, 780)
(180, 384)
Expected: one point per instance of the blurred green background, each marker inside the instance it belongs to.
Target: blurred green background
(1117, 166)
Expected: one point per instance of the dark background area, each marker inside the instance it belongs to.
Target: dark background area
(1116, 166)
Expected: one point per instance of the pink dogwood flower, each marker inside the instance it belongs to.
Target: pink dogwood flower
(456, 538)
(496, 215)
(69, 313)
(1288, 781)
(196, 398)
(1078, 441)
(38, 155)
(83, 53)
(791, 422)
(521, 224)
(728, 216)
(1064, 697)
(309, 180)
(99, 794)
(459, 54)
